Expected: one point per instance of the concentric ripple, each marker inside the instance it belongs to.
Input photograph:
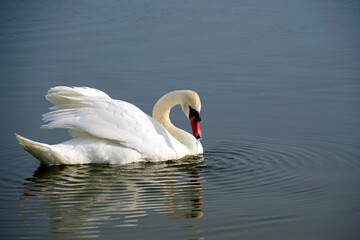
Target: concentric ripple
(257, 183)
(300, 171)
(261, 184)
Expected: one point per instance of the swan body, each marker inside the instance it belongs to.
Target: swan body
(106, 130)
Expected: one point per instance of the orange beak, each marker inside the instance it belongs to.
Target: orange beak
(195, 125)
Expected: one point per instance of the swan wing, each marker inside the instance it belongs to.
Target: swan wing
(91, 112)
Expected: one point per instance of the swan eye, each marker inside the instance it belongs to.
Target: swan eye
(194, 113)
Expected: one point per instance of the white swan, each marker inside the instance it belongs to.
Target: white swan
(105, 130)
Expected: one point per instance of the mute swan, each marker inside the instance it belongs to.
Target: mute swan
(106, 130)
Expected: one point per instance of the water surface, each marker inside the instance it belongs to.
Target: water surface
(279, 84)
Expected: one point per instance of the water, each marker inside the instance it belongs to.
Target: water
(279, 83)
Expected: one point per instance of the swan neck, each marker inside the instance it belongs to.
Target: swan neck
(161, 111)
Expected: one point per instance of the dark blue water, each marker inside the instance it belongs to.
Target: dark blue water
(280, 90)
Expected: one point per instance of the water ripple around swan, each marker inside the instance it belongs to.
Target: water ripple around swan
(291, 177)
(258, 183)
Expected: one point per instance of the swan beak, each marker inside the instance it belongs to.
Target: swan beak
(195, 125)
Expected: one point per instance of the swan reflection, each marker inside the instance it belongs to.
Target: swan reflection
(77, 201)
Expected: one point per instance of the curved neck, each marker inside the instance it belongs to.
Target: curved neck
(161, 113)
(161, 110)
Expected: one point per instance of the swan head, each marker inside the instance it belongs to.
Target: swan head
(191, 106)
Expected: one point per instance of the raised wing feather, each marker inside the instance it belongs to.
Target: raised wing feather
(92, 112)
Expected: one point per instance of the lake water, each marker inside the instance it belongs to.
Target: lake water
(280, 89)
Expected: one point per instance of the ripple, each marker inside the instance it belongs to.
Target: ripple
(261, 167)
(282, 178)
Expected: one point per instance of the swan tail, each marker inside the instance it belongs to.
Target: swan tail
(45, 153)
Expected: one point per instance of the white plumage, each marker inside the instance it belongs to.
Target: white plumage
(113, 131)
